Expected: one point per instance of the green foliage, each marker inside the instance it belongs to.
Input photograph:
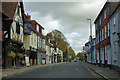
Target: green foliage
(20, 55)
(72, 53)
(61, 41)
(81, 56)
(11, 54)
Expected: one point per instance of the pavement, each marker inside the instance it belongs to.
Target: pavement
(18, 70)
(105, 72)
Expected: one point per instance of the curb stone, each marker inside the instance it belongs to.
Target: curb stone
(99, 74)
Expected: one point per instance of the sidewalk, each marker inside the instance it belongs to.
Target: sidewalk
(104, 71)
(11, 71)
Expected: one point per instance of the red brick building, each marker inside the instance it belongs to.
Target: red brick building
(103, 36)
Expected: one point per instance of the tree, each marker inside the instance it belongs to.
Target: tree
(81, 56)
(72, 53)
(61, 41)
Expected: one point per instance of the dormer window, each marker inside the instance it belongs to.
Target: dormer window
(37, 28)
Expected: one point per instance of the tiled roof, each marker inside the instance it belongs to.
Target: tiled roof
(113, 6)
(9, 8)
(101, 11)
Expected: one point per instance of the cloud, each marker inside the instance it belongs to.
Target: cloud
(68, 17)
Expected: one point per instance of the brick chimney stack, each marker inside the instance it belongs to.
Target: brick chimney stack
(29, 17)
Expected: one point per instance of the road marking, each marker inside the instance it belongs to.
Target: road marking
(50, 68)
(99, 76)
(76, 69)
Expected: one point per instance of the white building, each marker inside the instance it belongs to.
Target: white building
(114, 31)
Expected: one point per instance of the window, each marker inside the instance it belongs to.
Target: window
(96, 26)
(113, 27)
(31, 38)
(105, 14)
(34, 39)
(100, 21)
(100, 37)
(105, 53)
(96, 39)
(37, 28)
(114, 21)
(43, 43)
(114, 51)
(102, 34)
(38, 42)
(17, 28)
(108, 29)
(105, 32)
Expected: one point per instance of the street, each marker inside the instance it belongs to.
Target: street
(64, 70)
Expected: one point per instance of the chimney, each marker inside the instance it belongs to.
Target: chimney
(29, 17)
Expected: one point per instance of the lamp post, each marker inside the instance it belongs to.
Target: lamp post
(90, 37)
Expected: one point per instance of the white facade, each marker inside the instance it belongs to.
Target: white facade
(115, 44)
(17, 25)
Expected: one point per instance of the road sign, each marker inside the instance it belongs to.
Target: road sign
(90, 42)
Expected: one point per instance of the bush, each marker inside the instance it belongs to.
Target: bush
(11, 55)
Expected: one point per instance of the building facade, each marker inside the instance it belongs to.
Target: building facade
(114, 29)
(12, 26)
(102, 29)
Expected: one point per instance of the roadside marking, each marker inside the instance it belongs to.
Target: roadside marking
(76, 69)
(50, 68)
(99, 76)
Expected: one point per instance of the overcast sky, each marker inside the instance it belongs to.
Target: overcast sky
(68, 17)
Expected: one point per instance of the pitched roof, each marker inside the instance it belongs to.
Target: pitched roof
(101, 11)
(9, 8)
(113, 8)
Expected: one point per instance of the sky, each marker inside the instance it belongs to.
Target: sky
(69, 17)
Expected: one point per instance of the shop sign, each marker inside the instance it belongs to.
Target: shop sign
(27, 61)
(16, 37)
(33, 49)
(27, 28)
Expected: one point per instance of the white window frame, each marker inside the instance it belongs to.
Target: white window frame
(102, 35)
(105, 14)
(114, 51)
(38, 28)
(108, 29)
(98, 37)
(40, 42)
(113, 26)
(32, 38)
(105, 32)
(100, 21)
(96, 26)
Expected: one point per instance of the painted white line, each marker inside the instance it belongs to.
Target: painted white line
(76, 69)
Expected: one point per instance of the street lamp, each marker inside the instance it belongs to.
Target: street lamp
(90, 27)
(90, 37)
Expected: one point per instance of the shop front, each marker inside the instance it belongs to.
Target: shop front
(33, 56)
(41, 57)
(13, 54)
